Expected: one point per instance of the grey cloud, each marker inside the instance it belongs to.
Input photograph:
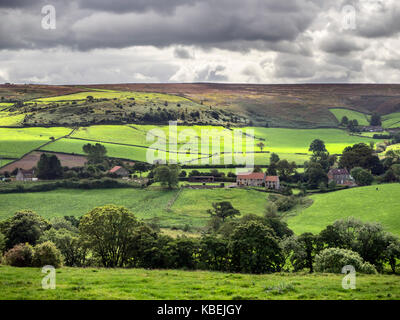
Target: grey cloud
(340, 45)
(182, 53)
(291, 66)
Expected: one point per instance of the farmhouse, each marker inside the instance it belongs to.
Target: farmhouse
(119, 171)
(340, 176)
(257, 179)
(272, 182)
(25, 175)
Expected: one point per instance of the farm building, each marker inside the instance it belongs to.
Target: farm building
(119, 171)
(258, 179)
(25, 175)
(340, 176)
(372, 129)
(272, 182)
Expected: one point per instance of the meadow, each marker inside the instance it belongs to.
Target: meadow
(339, 113)
(16, 142)
(378, 203)
(141, 284)
(152, 204)
(391, 120)
(290, 144)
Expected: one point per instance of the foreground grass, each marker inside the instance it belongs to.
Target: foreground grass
(365, 203)
(140, 284)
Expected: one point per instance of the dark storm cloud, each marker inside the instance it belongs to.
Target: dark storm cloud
(89, 24)
(182, 53)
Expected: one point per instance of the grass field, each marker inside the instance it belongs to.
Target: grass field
(189, 209)
(364, 203)
(16, 142)
(391, 120)
(140, 284)
(363, 119)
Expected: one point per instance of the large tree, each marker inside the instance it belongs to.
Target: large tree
(223, 210)
(49, 167)
(167, 175)
(24, 227)
(254, 249)
(95, 153)
(109, 232)
(360, 155)
(317, 146)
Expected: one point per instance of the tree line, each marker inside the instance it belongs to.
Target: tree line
(111, 236)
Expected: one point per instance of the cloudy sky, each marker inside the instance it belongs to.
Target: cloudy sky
(250, 41)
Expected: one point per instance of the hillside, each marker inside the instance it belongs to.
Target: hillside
(296, 106)
(378, 203)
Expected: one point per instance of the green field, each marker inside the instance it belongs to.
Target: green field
(339, 113)
(364, 203)
(140, 284)
(189, 209)
(290, 144)
(16, 142)
(391, 120)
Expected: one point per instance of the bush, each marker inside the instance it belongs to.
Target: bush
(20, 255)
(45, 254)
(332, 260)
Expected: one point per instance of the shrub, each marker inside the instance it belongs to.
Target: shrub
(19, 256)
(332, 260)
(47, 253)
(2, 243)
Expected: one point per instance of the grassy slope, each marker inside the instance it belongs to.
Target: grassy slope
(190, 208)
(391, 120)
(363, 119)
(16, 142)
(365, 203)
(140, 284)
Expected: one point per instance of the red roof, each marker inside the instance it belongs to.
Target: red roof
(115, 169)
(272, 178)
(252, 176)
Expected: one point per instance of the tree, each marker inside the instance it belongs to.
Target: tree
(254, 249)
(213, 253)
(167, 175)
(360, 155)
(301, 250)
(285, 169)
(25, 227)
(315, 175)
(392, 251)
(361, 176)
(49, 167)
(141, 167)
(223, 210)
(344, 121)
(45, 254)
(375, 120)
(95, 153)
(274, 158)
(70, 245)
(261, 145)
(108, 231)
(317, 146)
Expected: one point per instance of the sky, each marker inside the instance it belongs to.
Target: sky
(228, 41)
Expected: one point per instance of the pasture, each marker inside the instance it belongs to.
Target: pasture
(141, 284)
(364, 203)
(16, 142)
(150, 204)
(339, 113)
(391, 120)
